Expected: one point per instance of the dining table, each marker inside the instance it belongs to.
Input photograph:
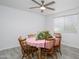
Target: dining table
(39, 43)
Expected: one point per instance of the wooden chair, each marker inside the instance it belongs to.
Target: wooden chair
(49, 52)
(57, 45)
(24, 47)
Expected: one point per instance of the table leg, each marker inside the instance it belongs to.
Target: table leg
(39, 53)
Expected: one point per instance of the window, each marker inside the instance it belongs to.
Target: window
(66, 24)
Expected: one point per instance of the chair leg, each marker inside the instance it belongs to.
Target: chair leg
(22, 56)
(52, 56)
(60, 52)
(46, 56)
(29, 57)
(56, 56)
(32, 54)
(37, 54)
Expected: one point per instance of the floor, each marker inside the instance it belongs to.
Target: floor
(15, 53)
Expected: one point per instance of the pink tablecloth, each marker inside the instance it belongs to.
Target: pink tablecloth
(39, 43)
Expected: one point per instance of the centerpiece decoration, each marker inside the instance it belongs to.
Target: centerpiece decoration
(43, 35)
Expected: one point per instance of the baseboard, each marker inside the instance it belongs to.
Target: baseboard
(73, 46)
(8, 48)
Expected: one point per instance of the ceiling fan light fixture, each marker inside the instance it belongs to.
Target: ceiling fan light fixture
(42, 8)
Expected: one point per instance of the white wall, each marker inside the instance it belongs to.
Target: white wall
(15, 22)
(70, 39)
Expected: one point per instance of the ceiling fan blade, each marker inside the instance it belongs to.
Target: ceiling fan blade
(49, 3)
(36, 2)
(34, 7)
(49, 8)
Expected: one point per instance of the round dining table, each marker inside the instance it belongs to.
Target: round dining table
(32, 41)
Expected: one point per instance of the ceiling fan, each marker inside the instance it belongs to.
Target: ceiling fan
(42, 6)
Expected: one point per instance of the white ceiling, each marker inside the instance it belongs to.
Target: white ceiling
(59, 6)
